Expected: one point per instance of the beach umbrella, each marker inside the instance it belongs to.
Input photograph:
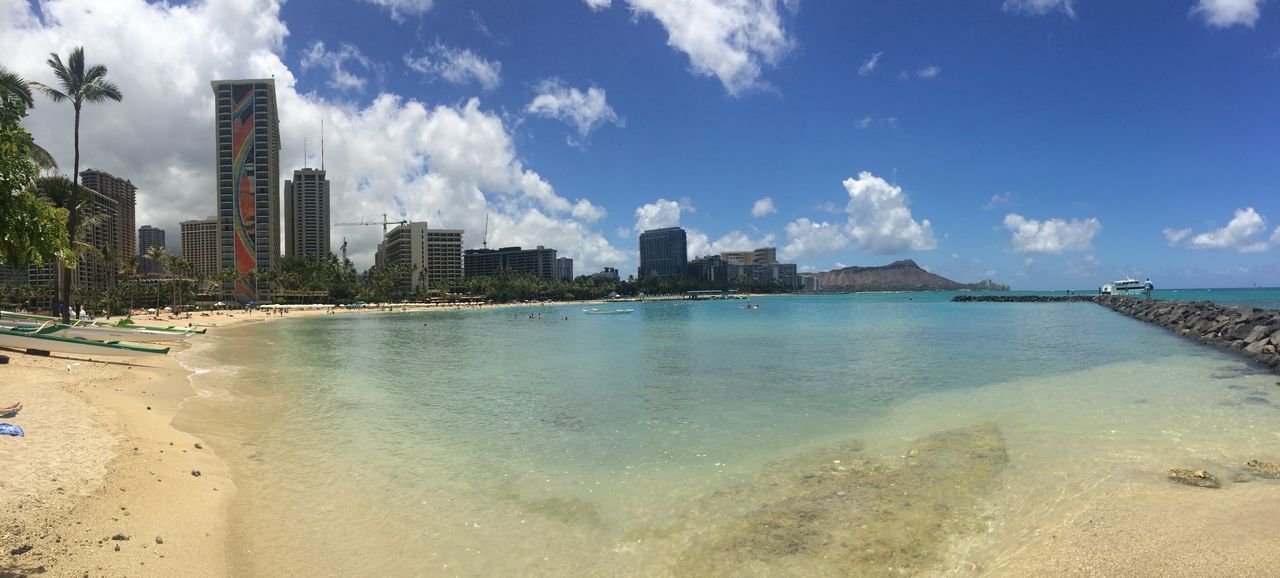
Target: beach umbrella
(219, 304)
(151, 310)
(168, 308)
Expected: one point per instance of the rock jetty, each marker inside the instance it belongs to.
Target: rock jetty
(1252, 331)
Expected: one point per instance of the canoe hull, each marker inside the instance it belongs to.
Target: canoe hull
(56, 344)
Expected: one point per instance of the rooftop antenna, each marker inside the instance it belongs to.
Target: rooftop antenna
(304, 152)
(322, 144)
(485, 239)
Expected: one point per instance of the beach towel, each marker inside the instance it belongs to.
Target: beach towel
(9, 429)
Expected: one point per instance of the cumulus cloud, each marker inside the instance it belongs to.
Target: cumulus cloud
(337, 62)
(585, 111)
(1228, 13)
(806, 238)
(998, 200)
(1040, 6)
(763, 206)
(731, 40)
(1051, 235)
(869, 65)
(1246, 233)
(399, 9)
(879, 220)
(456, 66)
(657, 215)
(448, 164)
(1175, 236)
(870, 121)
(598, 5)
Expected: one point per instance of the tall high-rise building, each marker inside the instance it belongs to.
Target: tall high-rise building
(200, 245)
(247, 141)
(148, 237)
(563, 269)
(663, 253)
(306, 214)
(430, 256)
(124, 194)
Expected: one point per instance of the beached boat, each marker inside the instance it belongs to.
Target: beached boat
(84, 323)
(32, 338)
(102, 333)
(607, 311)
(1127, 287)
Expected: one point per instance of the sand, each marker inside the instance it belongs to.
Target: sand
(103, 484)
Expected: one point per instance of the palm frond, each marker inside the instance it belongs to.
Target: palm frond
(100, 90)
(49, 91)
(13, 86)
(41, 157)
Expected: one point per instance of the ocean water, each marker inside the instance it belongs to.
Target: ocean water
(829, 435)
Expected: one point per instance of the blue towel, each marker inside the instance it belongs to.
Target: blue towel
(11, 430)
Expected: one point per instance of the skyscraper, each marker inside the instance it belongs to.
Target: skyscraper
(247, 141)
(306, 214)
(430, 257)
(200, 245)
(123, 192)
(663, 253)
(148, 237)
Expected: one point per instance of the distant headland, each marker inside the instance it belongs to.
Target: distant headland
(904, 275)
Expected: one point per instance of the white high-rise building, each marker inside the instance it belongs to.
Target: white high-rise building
(306, 214)
(431, 256)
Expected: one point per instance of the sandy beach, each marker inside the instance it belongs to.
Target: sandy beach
(104, 484)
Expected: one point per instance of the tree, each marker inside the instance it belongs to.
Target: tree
(33, 230)
(79, 85)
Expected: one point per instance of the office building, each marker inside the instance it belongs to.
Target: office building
(247, 145)
(306, 214)
(563, 269)
(540, 262)
(200, 245)
(125, 196)
(148, 237)
(663, 253)
(432, 257)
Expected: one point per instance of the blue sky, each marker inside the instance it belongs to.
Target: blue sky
(1046, 144)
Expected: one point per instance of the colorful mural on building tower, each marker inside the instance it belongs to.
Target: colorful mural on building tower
(244, 193)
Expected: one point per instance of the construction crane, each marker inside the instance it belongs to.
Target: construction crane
(365, 221)
(344, 248)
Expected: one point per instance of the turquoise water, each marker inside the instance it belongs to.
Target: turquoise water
(688, 438)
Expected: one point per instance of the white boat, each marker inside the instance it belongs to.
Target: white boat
(137, 334)
(607, 311)
(27, 338)
(1127, 287)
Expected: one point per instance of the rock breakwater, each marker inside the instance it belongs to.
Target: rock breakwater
(1252, 331)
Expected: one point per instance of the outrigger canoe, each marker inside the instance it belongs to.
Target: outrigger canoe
(32, 338)
(100, 333)
(85, 323)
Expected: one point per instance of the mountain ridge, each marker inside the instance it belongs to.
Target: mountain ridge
(901, 275)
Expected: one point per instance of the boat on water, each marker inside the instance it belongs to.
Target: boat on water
(46, 339)
(1127, 287)
(86, 323)
(607, 311)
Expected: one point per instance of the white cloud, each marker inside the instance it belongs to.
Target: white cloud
(336, 62)
(1245, 233)
(870, 64)
(999, 200)
(457, 66)
(729, 39)
(598, 5)
(1040, 6)
(884, 121)
(657, 215)
(1175, 236)
(1051, 235)
(401, 8)
(700, 245)
(585, 111)
(1228, 13)
(447, 164)
(763, 206)
(928, 71)
(806, 238)
(879, 220)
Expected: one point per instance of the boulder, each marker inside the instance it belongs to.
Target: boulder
(1264, 469)
(1197, 478)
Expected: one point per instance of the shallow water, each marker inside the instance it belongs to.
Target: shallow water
(700, 439)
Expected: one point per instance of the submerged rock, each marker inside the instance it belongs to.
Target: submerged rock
(835, 512)
(1197, 478)
(1264, 469)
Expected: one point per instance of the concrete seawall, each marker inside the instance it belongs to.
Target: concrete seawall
(1251, 331)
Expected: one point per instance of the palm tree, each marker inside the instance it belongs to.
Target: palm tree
(79, 85)
(13, 87)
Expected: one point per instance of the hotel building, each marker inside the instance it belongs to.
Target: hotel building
(663, 253)
(200, 245)
(430, 256)
(540, 262)
(148, 237)
(306, 214)
(247, 164)
(124, 194)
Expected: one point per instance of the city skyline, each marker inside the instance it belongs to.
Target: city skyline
(1004, 140)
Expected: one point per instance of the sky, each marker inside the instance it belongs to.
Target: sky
(1047, 144)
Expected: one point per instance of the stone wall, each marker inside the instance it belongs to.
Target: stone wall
(1252, 331)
